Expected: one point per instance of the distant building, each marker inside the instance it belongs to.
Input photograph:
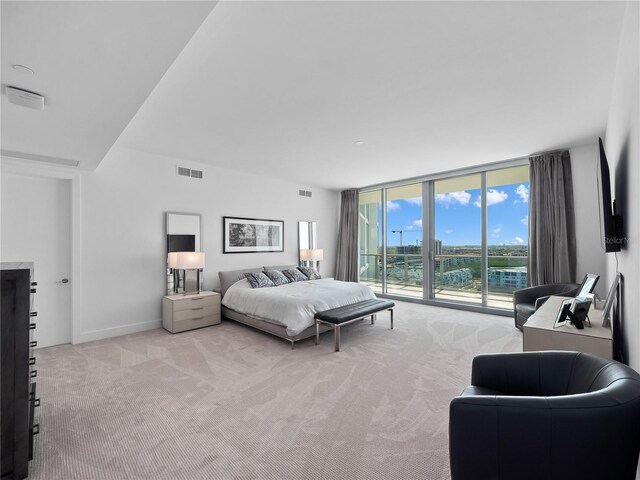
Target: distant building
(407, 249)
(454, 261)
(515, 277)
(454, 278)
(437, 247)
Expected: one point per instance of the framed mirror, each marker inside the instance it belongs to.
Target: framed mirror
(307, 240)
(183, 233)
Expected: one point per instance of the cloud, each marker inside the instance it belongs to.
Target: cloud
(391, 206)
(453, 198)
(493, 197)
(415, 225)
(414, 200)
(495, 233)
(448, 230)
(523, 191)
(497, 230)
(519, 240)
(525, 220)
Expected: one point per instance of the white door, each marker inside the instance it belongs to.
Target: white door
(36, 226)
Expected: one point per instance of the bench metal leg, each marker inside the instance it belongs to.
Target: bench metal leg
(317, 333)
(373, 319)
(391, 310)
(336, 338)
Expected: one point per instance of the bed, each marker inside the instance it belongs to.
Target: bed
(286, 311)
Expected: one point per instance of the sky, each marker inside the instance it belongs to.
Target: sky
(458, 217)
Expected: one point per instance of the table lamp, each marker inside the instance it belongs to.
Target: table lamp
(312, 257)
(191, 263)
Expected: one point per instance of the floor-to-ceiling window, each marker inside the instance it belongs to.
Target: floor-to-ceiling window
(370, 239)
(457, 219)
(404, 240)
(507, 233)
(459, 238)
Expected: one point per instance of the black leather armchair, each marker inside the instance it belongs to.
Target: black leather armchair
(528, 300)
(546, 415)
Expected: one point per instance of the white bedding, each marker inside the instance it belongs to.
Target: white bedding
(294, 304)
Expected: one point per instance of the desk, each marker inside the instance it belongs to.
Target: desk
(539, 334)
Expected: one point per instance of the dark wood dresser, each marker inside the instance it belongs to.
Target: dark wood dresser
(18, 400)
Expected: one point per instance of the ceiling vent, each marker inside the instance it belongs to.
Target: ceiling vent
(187, 172)
(25, 98)
(304, 193)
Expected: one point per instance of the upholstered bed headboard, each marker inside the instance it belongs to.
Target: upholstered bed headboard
(230, 277)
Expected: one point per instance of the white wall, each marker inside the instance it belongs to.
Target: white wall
(118, 237)
(589, 253)
(622, 146)
(123, 241)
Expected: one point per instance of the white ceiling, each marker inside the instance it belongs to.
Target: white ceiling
(95, 63)
(284, 89)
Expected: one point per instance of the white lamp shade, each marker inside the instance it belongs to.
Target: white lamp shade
(314, 254)
(189, 260)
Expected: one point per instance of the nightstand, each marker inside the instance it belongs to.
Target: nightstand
(186, 312)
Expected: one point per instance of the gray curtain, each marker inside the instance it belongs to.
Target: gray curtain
(552, 233)
(347, 258)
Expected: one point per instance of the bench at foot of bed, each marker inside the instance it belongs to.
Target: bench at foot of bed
(337, 317)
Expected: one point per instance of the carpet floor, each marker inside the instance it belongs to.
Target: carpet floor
(229, 402)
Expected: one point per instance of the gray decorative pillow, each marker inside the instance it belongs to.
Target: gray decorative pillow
(295, 275)
(310, 272)
(259, 280)
(277, 277)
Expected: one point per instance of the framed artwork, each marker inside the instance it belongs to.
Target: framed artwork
(588, 284)
(252, 235)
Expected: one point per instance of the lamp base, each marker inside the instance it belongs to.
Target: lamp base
(192, 282)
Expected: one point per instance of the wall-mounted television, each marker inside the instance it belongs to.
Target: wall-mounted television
(610, 223)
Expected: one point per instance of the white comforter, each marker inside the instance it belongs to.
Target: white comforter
(295, 304)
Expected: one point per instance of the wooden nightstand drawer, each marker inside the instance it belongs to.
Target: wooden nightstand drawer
(195, 301)
(195, 312)
(181, 313)
(197, 322)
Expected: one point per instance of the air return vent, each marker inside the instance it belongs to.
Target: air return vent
(187, 172)
(304, 193)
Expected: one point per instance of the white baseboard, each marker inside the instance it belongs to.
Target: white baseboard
(92, 335)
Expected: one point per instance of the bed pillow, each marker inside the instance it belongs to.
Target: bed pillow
(259, 280)
(277, 277)
(295, 275)
(310, 272)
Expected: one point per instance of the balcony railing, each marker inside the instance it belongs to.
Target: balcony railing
(457, 277)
